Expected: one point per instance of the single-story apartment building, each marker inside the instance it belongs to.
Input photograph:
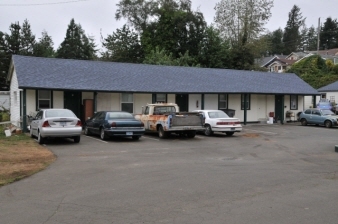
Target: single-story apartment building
(87, 86)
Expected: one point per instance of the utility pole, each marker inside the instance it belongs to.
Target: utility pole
(318, 35)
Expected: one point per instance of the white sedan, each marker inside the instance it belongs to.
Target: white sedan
(219, 121)
(53, 123)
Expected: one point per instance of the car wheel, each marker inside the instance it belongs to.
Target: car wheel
(191, 134)
(86, 131)
(229, 133)
(136, 137)
(328, 124)
(303, 122)
(103, 134)
(41, 140)
(162, 133)
(208, 131)
(77, 139)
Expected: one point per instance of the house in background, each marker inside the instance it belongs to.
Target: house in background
(329, 92)
(88, 86)
(281, 64)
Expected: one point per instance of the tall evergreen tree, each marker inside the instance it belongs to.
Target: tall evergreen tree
(277, 45)
(292, 37)
(44, 47)
(328, 34)
(123, 46)
(76, 44)
(9, 45)
(27, 39)
(311, 39)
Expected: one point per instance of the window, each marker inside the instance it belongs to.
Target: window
(160, 98)
(44, 99)
(127, 102)
(222, 101)
(247, 102)
(294, 102)
(308, 111)
(332, 99)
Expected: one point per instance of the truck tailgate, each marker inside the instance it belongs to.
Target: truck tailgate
(183, 120)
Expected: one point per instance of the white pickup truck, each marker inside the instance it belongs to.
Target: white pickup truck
(165, 118)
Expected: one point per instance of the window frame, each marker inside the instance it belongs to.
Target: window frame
(38, 99)
(292, 98)
(127, 102)
(248, 101)
(226, 101)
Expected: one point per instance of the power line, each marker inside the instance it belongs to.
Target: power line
(51, 3)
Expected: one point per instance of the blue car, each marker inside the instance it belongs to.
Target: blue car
(318, 117)
(324, 105)
(114, 124)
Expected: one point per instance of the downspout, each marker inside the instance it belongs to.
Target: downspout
(245, 108)
(24, 112)
(202, 102)
(95, 102)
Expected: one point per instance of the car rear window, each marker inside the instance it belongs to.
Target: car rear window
(119, 115)
(59, 113)
(217, 114)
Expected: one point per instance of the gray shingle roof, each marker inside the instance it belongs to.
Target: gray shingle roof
(84, 75)
(333, 87)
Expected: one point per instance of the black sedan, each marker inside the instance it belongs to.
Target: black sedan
(114, 123)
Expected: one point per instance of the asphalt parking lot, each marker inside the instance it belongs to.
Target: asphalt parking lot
(265, 174)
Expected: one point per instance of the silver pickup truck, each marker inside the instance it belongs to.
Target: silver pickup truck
(165, 118)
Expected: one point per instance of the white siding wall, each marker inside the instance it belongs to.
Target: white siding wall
(260, 106)
(58, 101)
(15, 100)
(140, 100)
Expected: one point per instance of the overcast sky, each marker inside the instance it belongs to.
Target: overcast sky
(98, 16)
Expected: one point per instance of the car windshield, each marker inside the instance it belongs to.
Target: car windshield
(119, 115)
(59, 113)
(327, 112)
(217, 114)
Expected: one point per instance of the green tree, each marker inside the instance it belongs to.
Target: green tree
(138, 13)
(4, 62)
(9, 45)
(123, 46)
(44, 47)
(214, 52)
(76, 44)
(292, 38)
(277, 45)
(241, 21)
(161, 57)
(178, 29)
(311, 39)
(27, 39)
(329, 34)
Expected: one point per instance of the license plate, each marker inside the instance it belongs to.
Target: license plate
(186, 128)
(232, 129)
(129, 133)
(62, 123)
